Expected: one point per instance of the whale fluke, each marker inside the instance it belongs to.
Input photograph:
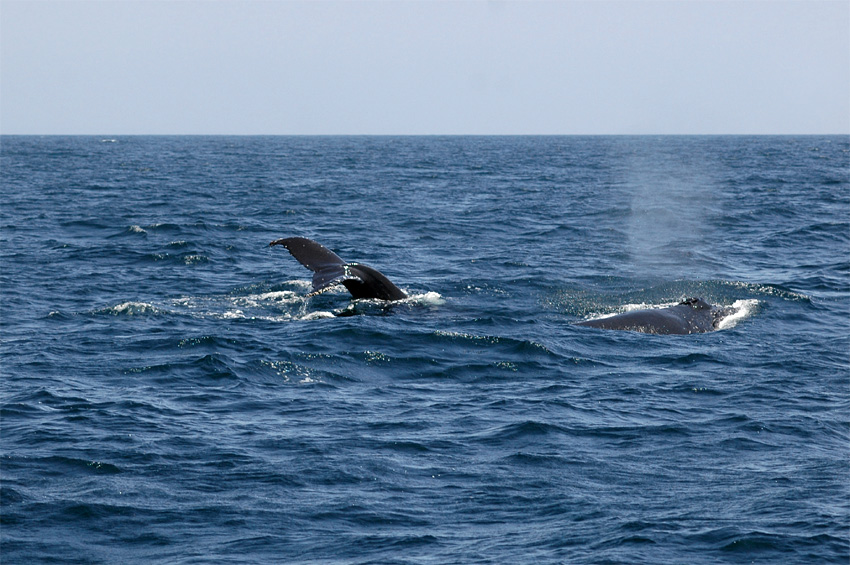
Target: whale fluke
(329, 270)
(692, 315)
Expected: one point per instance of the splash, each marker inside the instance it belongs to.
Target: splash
(425, 299)
(132, 309)
(277, 297)
(320, 315)
(741, 309)
(271, 306)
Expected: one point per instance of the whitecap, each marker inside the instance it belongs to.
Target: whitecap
(233, 315)
(131, 309)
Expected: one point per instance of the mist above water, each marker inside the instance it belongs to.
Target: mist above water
(671, 214)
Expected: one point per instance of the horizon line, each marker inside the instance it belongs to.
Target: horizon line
(834, 134)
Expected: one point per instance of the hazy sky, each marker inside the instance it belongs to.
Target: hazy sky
(417, 67)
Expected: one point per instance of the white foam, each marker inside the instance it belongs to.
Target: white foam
(645, 306)
(742, 309)
(132, 309)
(256, 300)
(316, 315)
(300, 283)
(464, 335)
(272, 306)
(427, 298)
(278, 296)
(233, 315)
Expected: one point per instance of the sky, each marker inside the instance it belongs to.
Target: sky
(406, 67)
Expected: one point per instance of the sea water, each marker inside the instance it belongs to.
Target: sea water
(169, 394)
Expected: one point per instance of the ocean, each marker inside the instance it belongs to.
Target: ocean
(171, 395)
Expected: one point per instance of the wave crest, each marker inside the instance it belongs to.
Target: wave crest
(132, 309)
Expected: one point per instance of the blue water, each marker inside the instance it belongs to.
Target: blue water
(170, 396)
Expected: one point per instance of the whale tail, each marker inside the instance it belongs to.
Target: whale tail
(330, 270)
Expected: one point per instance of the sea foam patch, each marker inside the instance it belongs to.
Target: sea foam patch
(742, 309)
(132, 308)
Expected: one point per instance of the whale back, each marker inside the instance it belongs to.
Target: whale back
(692, 315)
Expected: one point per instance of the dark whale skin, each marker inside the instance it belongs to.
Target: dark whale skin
(690, 316)
(329, 270)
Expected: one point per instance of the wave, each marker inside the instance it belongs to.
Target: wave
(272, 306)
(301, 374)
(165, 228)
(763, 289)
(277, 296)
(131, 309)
(188, 258)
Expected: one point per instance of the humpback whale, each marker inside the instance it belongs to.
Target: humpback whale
(692, 315)
(329, 270)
